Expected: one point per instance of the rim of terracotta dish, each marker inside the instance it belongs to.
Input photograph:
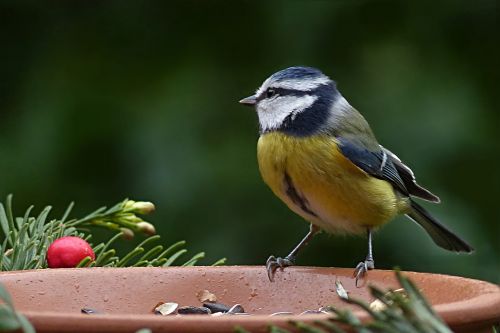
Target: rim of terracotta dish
(484, 309)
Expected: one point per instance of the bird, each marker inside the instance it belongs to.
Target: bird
(319, 155)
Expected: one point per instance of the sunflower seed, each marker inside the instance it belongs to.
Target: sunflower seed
(193, 310)
(307, 312)
(326, 309)
(281, 313)
(237, 308)
(217, 307)
(165, 308)
(341, 290)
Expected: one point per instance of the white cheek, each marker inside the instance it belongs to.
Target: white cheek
(273, 112)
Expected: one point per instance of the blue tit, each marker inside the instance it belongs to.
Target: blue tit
(320, 157)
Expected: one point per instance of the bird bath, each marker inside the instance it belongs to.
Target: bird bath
(52, 299)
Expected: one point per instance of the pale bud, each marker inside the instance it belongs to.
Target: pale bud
(146, 228)
(143, 207)
(127, 233)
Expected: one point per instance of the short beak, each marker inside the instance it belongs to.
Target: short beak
(251, 100)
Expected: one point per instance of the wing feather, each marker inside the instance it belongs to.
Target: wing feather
(384, 164)
(376, 163)
(408, 178)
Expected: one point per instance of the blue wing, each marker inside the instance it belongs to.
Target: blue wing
(383, 164)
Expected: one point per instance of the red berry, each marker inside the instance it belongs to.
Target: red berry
(67, 252)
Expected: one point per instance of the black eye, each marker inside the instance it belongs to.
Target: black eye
(270, 92)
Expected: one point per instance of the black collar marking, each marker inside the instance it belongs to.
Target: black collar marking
(310, 120)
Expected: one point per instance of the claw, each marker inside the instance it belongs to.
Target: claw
(361, 271)
(271, 266)
(273, 263)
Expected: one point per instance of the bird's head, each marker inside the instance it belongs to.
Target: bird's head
(295, 100)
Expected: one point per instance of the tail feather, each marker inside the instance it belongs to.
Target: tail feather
(439, 233)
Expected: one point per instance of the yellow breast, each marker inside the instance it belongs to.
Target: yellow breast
(316, 181)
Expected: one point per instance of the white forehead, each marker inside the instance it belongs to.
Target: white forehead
(303, 84)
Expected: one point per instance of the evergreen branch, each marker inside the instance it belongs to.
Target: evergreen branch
(24, 240)
(239, 329)
(10, 320)
(194, 259)
(220, 262)
(174, 257)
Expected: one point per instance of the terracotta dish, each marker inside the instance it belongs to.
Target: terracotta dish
(52, 299)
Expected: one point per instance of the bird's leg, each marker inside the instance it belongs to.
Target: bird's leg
(274, 263)
(363, 267)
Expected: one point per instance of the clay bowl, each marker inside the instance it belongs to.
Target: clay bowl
(52, 299)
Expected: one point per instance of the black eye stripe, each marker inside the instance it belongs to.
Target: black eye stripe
(291, 92)
(283, 92)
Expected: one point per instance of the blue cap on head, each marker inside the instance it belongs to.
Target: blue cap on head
(297, 72)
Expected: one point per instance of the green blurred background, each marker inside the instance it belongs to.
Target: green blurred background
(104, 100)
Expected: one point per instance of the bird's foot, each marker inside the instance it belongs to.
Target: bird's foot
(273, 263)
(362, 269)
